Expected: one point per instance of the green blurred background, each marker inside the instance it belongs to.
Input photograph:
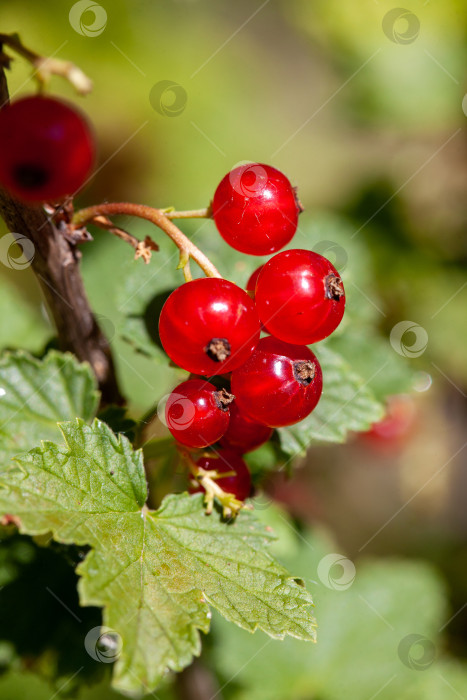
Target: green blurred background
(363, 106)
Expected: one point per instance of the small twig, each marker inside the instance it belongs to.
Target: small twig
(143, 249)
(45, 67)
(155, 216)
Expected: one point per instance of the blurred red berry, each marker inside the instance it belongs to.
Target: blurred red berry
(46, 147)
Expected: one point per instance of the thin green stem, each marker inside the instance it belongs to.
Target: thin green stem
(205, 213)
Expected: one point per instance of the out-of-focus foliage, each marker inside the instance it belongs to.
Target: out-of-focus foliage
(404, 87)
(378, 632)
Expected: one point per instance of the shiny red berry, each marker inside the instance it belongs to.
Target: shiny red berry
(244, 434)
(279, 385)
(238, 483)
(46, 147)
(197, 414)
(256, 209)
(300, 297)
(209, 326)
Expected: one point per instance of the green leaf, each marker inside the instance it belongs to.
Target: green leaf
(155, 573)
(347, 404)
(35, 395)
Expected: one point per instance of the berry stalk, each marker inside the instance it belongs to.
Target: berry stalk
(205, 213)
(45, 67)
(160, 219)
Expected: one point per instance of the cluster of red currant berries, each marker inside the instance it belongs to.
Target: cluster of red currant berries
(211, 327)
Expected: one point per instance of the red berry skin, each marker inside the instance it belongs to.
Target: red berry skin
(300, 297)
(194, 414)
(251, 284)
(47, 149)
(229, 461)
(255, 209)
(244, 434)
(206, 310)
(273, 388)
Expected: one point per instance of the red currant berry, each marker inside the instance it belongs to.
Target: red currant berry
(209, 326)
(238, 483)
(47, 150)
(396, 426)
(251, 284)
(300, 297)
(197, 414)
(256, 209)
(279, 385)
(244, 434)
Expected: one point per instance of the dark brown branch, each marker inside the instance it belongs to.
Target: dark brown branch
(56, 265)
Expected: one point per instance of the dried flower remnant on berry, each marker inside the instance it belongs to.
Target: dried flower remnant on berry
(223, 399)
(304, 371)
(218, 349)
(334, 287)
